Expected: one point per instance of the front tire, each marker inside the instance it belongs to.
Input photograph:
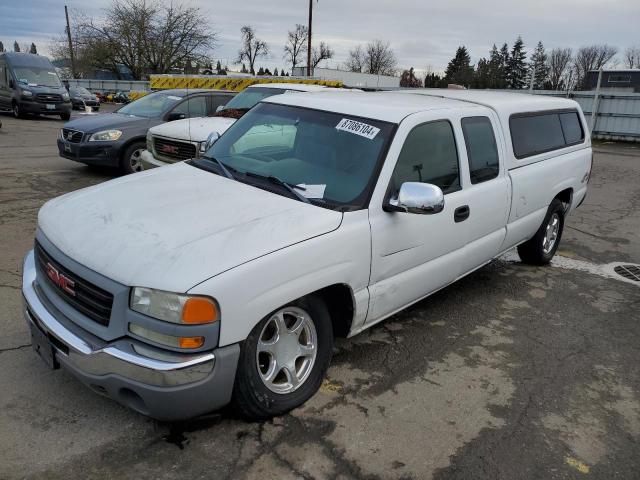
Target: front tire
(17, 111)
(541, 248)
(132, 158)
(284, 360)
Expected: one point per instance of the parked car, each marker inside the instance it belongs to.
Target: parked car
(29, 84)
(117, 139)
(82, 98)
(226, 278)
(184, 139)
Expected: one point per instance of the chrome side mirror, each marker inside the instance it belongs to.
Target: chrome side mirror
(211, 139)
(419, 198)
(220, 108)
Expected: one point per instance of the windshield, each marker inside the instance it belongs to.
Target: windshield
(37, 76)
(79, 91)
(331, 158)
(153, 105)
(251, 96)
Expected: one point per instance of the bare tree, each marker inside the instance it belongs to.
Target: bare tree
(380, 59)
(632, 57)
(146, 36)
(559, 62)
(356, 60)
(589, 58)
(296, 45)
(252, 47)
(323, 52)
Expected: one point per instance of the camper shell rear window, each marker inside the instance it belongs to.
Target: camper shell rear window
(541, 132)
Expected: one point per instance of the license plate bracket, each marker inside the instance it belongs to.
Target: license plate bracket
(42, 346)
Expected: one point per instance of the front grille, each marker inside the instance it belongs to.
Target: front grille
(174, 150)
(88, 299)
(48, 98)
(72, 136)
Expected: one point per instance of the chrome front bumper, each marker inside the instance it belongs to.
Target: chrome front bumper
(162, 384)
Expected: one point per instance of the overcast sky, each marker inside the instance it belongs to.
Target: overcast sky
(422, 33)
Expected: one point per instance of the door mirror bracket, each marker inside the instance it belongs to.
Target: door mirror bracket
(418, 198)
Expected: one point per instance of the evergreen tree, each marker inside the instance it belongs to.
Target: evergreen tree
(495, 69)
(276, 73)
(218, 67)
(539, 67)
(261, 71)
(16, 47)
(1, 47)
(433, 80)
(459, 70)
(504, 65)
(516, 73)
(482, 75)
(267, 72)
(33, 49)
(244, 69)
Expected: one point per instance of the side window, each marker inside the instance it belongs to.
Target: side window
(218, 101)
(534, 134)
(429, 155)
(482, 150)
(193, 107)
(571, 127)
(3, 75)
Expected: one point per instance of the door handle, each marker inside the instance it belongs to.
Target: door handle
(461, 213)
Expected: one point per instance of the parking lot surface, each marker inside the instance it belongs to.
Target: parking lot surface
(513, 372)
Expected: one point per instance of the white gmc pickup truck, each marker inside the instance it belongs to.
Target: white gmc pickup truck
(233, 274)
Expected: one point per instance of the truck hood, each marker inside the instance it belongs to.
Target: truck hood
(171, 228)
(193, 129)
(95, 123)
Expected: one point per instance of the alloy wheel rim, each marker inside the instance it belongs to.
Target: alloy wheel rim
(135, 161)
(551, 234)
(287, 350)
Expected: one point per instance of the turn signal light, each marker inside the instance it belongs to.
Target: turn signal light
(198, 310)
(191, 342)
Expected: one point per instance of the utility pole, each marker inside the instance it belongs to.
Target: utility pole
(73, 61)
(309, 39)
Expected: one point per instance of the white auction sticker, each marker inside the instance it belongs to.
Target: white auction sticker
(358, 128)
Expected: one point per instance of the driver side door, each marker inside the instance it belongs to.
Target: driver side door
(413, 254)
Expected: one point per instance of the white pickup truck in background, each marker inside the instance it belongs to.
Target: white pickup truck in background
(231, 278)
(189, 138)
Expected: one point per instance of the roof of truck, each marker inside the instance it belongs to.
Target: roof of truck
(299, 87)
(385, 106)
(502, 102)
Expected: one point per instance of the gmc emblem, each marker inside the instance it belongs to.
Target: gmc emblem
(169, 149)
(59, 279)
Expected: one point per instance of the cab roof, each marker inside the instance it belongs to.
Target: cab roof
(384, 106)
(394, 106)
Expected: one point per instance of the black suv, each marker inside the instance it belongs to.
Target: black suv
(117, 139)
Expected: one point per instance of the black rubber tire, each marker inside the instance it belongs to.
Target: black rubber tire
(65, 116)
(125, 165)
(17, 111)
(252, 400)
(532, 251)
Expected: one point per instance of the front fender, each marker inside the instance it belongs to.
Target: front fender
(249, 292)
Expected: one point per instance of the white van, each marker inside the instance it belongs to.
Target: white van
(235, 272)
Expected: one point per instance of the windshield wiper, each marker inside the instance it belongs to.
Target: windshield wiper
(222, 166)
(293, 189)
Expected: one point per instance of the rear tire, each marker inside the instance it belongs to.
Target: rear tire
(541, 248)
(131, 158)
(17, 111)
(263, 388)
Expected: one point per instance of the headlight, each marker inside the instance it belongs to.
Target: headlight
(65, 96)
(27, 93)
(173, 307)
(203, 147)
(106, 136)
(150, 142)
